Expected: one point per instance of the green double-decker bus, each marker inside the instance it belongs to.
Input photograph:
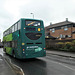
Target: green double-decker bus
(25, 39)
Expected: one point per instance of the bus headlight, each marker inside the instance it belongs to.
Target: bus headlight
(39, 29)
(23, 43)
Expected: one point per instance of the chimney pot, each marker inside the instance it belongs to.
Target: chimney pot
(67, 19)
(50, 23)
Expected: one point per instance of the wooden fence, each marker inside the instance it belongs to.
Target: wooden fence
(53, 43)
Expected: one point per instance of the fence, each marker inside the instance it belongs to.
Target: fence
(53, 43)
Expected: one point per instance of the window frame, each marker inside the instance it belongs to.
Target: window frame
(18, 25)
(32, 21)
(53, 30)
(65, 28)
(15, 27)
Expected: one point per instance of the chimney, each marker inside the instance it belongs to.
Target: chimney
(67, 19)
(50, 23)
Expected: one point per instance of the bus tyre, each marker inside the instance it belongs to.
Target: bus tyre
(4, 50)
(13, 54)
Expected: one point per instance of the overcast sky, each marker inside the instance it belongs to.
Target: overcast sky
(47, 10)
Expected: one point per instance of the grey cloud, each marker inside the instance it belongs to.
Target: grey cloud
(47, 10)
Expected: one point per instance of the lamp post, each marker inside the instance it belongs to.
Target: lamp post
(32, 14)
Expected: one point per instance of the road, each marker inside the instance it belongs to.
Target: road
(49, 65)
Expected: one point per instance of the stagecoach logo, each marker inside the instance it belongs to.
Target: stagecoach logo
(36, 48)
(32, 47)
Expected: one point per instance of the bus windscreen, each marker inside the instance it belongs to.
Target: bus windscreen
(32, 23)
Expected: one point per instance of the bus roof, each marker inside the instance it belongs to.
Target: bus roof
(23, 19)
(30, 19)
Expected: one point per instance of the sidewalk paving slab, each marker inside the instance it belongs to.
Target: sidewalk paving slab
(5, 69)
(61, 53)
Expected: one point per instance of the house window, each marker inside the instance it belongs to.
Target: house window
(62, 27)
(61, 36)
(53, 30)
(57, 28)
(73, 25)
(69, 36)
(50, 29)
(65, 28)
(66, 36)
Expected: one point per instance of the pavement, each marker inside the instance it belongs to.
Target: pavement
(5, 68)
(61, 53)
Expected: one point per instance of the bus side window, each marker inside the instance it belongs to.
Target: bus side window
(10, 43)
(19, 25)
(16, 27)
(13, 44)
(4, 34)
(7, 31)
(12, 28)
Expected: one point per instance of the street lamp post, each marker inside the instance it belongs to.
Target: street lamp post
(32, 14)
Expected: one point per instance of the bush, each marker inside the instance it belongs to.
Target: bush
(68, 45)
(73, 43)
(60, 45)
(64, 46)
(72, 49)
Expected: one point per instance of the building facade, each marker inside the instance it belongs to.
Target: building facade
(61, 31)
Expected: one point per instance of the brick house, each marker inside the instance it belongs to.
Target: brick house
(62, 30)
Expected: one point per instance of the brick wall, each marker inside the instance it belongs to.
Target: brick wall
(73, 35)
(61, 31)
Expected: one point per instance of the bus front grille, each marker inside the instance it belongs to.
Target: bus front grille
(33, 36)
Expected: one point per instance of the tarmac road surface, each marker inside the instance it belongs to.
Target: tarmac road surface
(49, 65)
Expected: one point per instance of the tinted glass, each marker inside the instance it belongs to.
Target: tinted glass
(33, 23)
(19, 25)
(33, 36)
(12, 28)
(15, 27)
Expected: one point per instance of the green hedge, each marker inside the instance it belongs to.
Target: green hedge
(67, 46)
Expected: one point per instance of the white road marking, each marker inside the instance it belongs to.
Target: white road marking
(1, 59)
(62, 65)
